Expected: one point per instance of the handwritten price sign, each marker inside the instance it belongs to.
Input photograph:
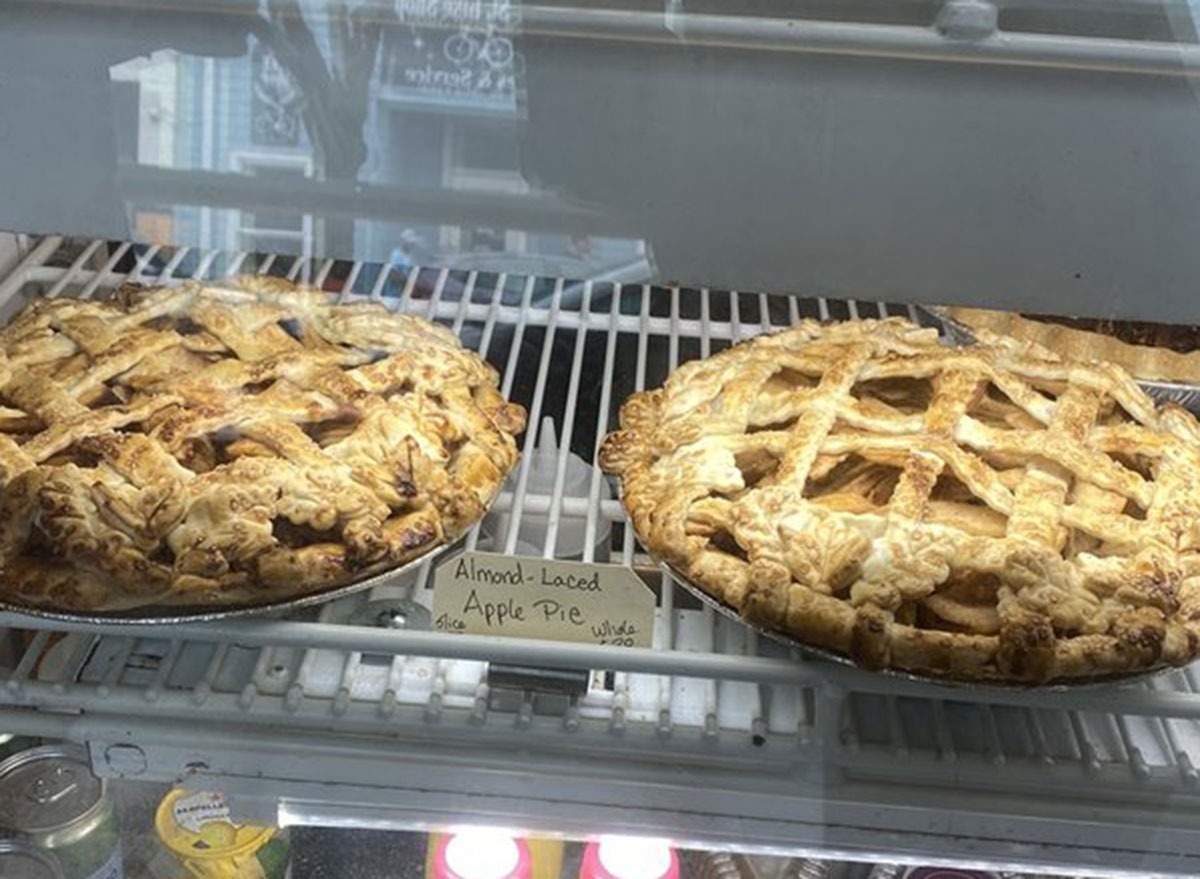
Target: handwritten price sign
(483, 593)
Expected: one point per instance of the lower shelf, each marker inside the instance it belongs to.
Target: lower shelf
(759, 752)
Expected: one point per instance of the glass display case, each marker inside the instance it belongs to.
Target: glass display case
(591, 196)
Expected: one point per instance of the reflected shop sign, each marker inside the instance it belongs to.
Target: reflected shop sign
(457, 51)
(274, 103)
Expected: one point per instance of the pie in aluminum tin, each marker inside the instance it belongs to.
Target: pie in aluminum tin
(988, 513)
(271, 607)
(236, 445)
(1139, 360)
(1147, 351)
(831, 656)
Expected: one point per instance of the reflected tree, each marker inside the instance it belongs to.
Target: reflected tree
(335, 85)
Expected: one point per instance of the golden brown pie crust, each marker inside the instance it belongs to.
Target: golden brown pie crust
(988, 512)
(234, 443)
(1156, 352)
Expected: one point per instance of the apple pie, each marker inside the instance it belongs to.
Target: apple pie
(987, 513)
(1149, 351)
(234, 444)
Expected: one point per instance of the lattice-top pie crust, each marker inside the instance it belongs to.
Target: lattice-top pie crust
(989, 512)
(234, 443)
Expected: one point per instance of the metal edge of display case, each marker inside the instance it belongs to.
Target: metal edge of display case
(704, 804)
(966, 32)
(349, 782)
(357, 788)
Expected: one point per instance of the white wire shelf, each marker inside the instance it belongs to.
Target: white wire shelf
(712, 736)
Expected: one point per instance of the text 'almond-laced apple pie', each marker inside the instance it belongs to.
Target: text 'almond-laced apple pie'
(232, 444)
(987, 512)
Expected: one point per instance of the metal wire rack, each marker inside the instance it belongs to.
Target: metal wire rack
(711, 736)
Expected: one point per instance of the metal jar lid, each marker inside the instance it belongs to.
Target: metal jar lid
(22, 860)
(47, 789)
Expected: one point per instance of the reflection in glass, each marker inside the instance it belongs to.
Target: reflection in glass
(381, 131)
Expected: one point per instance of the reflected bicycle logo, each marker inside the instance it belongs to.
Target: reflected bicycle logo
(478, 54)
(486, 47)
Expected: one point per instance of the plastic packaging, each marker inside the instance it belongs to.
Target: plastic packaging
(478, 853)
(197, 830)
(629, 857)
(534, 528)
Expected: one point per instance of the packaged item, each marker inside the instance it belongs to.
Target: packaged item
(478, 853)
(545, 857)
(196, 828)
(720, 865)
(50, 797)
(629, 857)
(948, 873)
(810, 868)
(896, 871)
(20, 859)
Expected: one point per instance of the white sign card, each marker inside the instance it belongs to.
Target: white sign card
(484, 593)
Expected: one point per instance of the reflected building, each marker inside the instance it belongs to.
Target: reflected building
(393, 136)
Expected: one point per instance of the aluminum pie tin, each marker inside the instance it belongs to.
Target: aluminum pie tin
(156, 615)
(822, 653)
(1187, 396)
(957, 333)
